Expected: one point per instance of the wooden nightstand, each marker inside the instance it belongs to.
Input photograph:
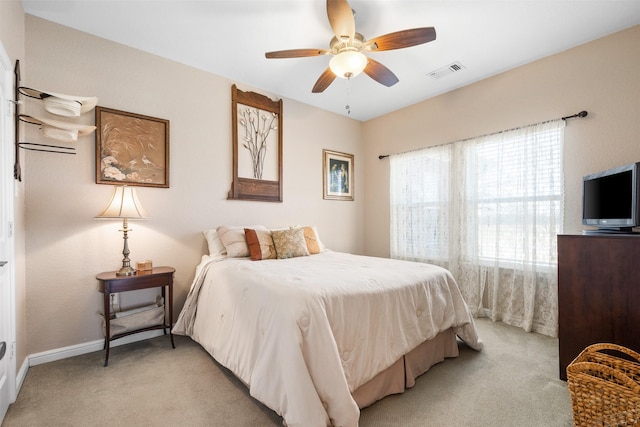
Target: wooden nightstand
(109, 283)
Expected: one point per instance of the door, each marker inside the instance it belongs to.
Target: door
(7, 256)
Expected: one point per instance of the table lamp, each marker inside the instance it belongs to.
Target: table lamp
(124, 205)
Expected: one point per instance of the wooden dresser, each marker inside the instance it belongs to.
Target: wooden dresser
(598, 293)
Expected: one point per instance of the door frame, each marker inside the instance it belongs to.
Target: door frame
(7, 305)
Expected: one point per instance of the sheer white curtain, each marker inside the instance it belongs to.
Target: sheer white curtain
(488, 209)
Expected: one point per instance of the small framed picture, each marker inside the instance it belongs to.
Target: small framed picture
(131, 149)
(337, 175)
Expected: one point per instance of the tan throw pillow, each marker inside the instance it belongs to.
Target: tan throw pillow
(260, 244)
(314, 245)
(290, 243)
(234, 240)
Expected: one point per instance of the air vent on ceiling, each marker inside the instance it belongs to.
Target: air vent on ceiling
(445, 71)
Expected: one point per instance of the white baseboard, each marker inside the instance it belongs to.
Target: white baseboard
(21, 375)
(88, 347)
(75, 350)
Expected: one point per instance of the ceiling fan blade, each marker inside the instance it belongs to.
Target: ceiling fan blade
(380, 73)
(296, 53)
(341, 18)
(324, 81)
(401, 39)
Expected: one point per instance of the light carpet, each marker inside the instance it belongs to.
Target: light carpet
(513, 381)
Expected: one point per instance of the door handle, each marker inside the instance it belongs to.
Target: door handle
(2, 263)
(3, 349)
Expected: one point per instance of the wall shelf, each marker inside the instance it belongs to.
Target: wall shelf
(58, 104)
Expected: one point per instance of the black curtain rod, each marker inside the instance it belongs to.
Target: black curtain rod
(581, 114)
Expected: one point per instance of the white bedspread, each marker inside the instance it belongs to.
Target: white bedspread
(303, 333)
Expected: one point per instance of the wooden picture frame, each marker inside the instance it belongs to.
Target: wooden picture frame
(256, 123)
(131, 149)
(337, 175)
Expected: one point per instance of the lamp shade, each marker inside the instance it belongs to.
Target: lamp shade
(124, 204)
(348, 64)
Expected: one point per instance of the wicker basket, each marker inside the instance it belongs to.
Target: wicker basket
(605, 389)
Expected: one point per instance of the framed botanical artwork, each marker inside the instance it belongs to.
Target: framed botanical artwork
(337, 175)
(131, 149)
(256, 123)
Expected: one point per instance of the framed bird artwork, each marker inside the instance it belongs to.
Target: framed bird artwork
(131, 149)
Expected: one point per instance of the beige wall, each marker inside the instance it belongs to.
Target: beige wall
(602, 77)
(66, 247)
(12, 30)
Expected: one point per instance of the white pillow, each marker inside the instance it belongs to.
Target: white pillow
(234, 240)
(216, 248)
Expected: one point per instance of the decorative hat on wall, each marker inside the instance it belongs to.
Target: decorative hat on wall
(60, 104)
(54, 103)
(58, 130)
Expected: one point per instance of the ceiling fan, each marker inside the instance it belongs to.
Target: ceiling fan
(347, 48)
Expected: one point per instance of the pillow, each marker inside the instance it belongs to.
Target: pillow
(289, 243)
(314, 245)
(260, 244)
(216, 248)
(234, 240)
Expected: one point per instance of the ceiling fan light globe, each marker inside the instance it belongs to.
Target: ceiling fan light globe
(348, 64)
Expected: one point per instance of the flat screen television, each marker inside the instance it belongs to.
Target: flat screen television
(610, 199)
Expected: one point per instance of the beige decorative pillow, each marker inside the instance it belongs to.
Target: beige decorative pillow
(234, 240)
(290, 243)
(314, 245)
(260, 244)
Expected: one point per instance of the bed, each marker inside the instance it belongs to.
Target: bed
(316, 337)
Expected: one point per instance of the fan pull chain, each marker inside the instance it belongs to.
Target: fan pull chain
(347, 106)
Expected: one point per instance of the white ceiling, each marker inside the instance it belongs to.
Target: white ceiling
(229, 38)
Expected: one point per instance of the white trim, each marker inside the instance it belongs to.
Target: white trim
(75, 350)
(22, 374)
(4, 57)
(88, 347)
(8, 206)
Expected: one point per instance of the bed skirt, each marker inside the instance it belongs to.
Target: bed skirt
(403, 373)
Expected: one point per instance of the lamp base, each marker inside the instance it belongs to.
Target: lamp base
(126, 271)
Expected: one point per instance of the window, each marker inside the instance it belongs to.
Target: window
(518, 180)
(420, 213)
(489, 209)
(506, 195)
